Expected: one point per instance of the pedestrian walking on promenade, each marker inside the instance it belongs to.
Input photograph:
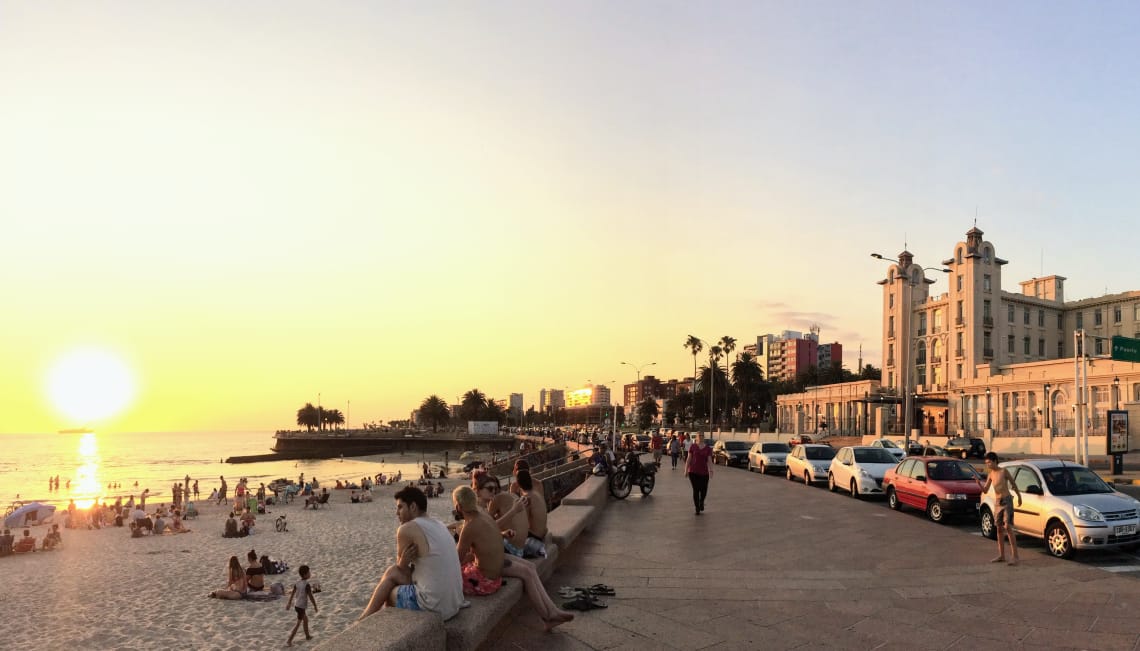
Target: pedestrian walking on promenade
(699, 468)
(1002, 483)
(674, 449)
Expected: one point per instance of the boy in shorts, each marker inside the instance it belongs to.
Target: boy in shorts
(302, 588)
(1002, 483)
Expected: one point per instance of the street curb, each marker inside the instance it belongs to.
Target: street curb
(1125, 480)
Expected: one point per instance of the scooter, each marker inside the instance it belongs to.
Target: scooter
(630, 472)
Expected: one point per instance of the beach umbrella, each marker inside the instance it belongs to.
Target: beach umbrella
(466, 455)
(39, 514)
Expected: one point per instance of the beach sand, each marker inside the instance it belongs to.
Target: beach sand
(106, 590)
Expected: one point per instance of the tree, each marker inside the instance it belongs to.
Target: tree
(646, 411)
(332, 417)
(472, 405)
(492, 411)
(752, 390)
(709, 378)
(714, 359)
(695, 346)
(434, 411)
(727, 345)
(308, 417)
(869, 372)
(680, 405)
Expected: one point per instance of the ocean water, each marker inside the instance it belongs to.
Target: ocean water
(157, 460)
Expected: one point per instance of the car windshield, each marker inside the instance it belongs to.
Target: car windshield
(890, 445)
(958, 442)
(874, 455)
(775, 447)
(1074, 481)
(736, 445)
(819, 454)
(950, 470)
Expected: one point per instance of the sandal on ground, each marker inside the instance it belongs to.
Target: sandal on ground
(570, 593)
(584, 603)
(601, 589)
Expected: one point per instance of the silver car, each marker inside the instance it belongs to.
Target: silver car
(768, 456)
(890, 446)
(1066, 505)
(809, 462)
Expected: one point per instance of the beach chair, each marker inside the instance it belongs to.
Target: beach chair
(291, 492)
(191, 511)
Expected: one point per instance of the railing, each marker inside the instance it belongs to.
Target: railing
(921, 332)
(890, 361)
(1063, 427)
(891, 333)
(937, 359)
(959, 321)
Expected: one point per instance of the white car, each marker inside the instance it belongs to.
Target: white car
(768, 456)
(859, 470)
(890, 446)
(809, 462)
(1067, 505)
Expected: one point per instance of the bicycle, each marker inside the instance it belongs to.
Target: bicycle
(280, 524)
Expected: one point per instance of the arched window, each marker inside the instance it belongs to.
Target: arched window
(958, 255)
(987, 254)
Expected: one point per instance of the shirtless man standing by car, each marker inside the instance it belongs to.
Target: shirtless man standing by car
(999, 478)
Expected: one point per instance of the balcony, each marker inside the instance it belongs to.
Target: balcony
(936, 359)
(959, 321)
(891, 333)
(890, 361)
(988, 321)
(959, 353)
(988, 353)
(935, 330)
(922, 332)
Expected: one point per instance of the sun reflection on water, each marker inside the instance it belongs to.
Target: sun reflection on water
(86, 487)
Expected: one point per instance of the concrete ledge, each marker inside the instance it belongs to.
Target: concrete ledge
(567, 521)
(391, 629)
(545, 566)
(592, 492)
(467, 630)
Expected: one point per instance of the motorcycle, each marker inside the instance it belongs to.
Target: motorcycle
(630, 472)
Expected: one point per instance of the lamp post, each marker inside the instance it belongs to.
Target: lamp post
(989, 416)
(1116, 393)
(906, 309)
(1048, 406)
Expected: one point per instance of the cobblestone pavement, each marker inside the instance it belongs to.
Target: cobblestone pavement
(777, 565)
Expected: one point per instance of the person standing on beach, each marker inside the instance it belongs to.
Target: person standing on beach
(222, 490)
(301, 606)
(699, 468)
(999, 478)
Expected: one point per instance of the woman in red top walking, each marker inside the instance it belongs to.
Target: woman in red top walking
(698, 468)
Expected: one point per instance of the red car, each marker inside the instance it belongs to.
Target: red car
(940, 486)
(798, 440)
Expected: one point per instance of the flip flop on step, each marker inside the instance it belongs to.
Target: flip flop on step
(602, 589)
(584, 603)
(567, 592)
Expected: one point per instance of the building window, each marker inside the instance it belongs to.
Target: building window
(960, 312)
(1025, 346)
(1099, 346)
(937, 320)
(986, 344)
(985, 282)
(960, 289)
(891, 326)
(1009, 343)
(1060, 321)
(1097, 320)
(1009, 310)
(987, 255)
(1060, 349)
(986, 310)
(1116, 314)
(1040, 347)
(1025, 317)
(890, 354)
(891, 300)
(1136, 312)
(1080, 320)
(1041, 318)
(959, 346)
(922, 323)
(958, 371)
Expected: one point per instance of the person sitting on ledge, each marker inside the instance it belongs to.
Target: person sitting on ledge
(480, 545)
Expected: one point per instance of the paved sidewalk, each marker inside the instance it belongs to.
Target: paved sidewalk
(776, 565)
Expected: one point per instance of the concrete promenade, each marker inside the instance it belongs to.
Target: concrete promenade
(777, 565)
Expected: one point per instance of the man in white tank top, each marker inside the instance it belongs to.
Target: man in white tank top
(426, 575)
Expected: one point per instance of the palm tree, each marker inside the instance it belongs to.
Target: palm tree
(492, 411)
(333, 417)
(434, 410)
(308, 417)
(472, 405)
(748, 379)
(714, 359)
(695, 346)
(727, 345)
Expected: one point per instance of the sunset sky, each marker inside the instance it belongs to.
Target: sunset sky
(252, 203)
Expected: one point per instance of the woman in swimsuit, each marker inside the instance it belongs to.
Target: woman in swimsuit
(255, 573)
(236, 585)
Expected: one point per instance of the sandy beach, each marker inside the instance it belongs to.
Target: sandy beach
(106, 590)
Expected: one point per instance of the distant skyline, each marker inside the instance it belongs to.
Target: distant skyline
(252, 204)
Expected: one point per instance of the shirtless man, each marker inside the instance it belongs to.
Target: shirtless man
(480, 545)
(509, 513)
(436, 581)
(535, 504)
(1001, 481)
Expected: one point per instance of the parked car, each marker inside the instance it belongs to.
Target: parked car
(890, 446)
(1068, 506)
(940, 486)
(859, 470)
(809, 462)
(799, 439)
(641, 442)
(731, 453)
(966, 447)
(768, 456)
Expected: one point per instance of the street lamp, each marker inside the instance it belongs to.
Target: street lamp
(1116, 393)
(638, 369)
(907, 307)
(989, 419)
(1048, 405)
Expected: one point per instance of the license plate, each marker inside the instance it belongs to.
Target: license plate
(1124, 530)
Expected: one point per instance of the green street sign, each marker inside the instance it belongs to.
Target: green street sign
(1126, 349)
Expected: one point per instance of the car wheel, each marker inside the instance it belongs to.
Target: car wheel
(854, 489)
(831, 482)
(762, 468)
(1058, 540)
(807, 478)
(989, 527)
(934, 510)
(750, 469)
(789, 474)
(893, 499)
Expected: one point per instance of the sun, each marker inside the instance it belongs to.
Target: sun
(90, 384)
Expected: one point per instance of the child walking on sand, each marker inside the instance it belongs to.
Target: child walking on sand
(305, 591)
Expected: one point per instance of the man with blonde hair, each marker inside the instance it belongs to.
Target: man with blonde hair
(480, 545)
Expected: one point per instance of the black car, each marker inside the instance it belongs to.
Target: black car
(964, 448)
(731, 453)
